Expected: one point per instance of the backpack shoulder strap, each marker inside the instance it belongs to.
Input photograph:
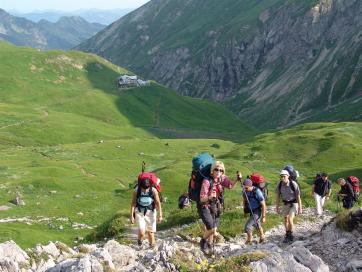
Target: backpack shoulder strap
(211, 181)
(292, 186)
(150, 192)
(138, 192)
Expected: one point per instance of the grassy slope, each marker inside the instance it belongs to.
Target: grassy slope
(49, 133)
(56, 106)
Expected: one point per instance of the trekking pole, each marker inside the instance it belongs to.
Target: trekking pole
(251, 211)
(143, 166)
(213, 237)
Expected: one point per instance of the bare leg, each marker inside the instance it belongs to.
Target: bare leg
(290, 223)
(141, 234)
(286, 223)
(249, 237)
(151, 238)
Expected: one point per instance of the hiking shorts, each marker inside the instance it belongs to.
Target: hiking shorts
(250, 224)
(146, 222)
(290, 209)
(210, 219)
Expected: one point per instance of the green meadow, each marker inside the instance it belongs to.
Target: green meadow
(72, 144)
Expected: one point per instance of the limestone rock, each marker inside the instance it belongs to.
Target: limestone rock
(279, 262)
(305, 257)
(13, 252)
(354, 266)
(50, 249)
(121, 255)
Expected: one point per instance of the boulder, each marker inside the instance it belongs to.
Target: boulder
(354, 266)
(278, 262)
(11, 251)
(7, 265)
(121, 255)
(306, 258)
(65, 266)
(49, 249)
(44, 265)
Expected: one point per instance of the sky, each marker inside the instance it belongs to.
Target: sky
(68, 5)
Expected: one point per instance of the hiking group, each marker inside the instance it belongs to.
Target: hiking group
(206, 188)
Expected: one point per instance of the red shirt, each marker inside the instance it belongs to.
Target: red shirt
(218, 186)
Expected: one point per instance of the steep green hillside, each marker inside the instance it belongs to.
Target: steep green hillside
(275, 63)
(71, 142)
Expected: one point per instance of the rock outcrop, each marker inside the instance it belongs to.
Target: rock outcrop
(313, 250)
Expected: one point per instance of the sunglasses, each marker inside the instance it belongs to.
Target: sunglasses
(218, 170)
(283, 176)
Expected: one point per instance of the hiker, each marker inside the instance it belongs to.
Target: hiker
(321, 191)
(346, 193)
(255, 205)
(211, 201)
(145, 199)
(288, 191)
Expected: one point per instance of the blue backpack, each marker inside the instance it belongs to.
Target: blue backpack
(201, 167)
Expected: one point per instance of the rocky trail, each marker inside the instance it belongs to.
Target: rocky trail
(319, 246)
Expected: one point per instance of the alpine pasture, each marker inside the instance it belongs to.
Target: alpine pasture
(72, 144)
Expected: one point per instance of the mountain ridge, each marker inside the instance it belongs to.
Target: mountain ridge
(274, 63)
(66, 33)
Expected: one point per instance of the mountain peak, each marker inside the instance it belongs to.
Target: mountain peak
(71, 19)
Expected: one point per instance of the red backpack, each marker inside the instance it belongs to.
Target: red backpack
(260, 182)
(154, 181)
(354, 181)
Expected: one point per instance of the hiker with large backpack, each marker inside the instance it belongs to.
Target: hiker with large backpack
(346, 193)
(260, 183)
(145, 202)
(321, 191)
(288, 191)
(254, 203)
(211, 201)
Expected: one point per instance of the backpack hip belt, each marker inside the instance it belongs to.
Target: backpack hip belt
(150, 207)
(289, 202)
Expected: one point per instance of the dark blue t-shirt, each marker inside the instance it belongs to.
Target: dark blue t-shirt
(255, 197)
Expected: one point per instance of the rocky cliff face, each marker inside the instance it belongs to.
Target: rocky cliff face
(275, 63)
(64, 34)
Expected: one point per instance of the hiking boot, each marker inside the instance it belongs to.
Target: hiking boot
(248, 243)
(291, 237)
(139, 242)
(261, 240)
(287, 237)
(208, 245)
(152, 246)
(203, 245)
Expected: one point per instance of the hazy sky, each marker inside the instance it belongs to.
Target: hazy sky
(68, 5)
